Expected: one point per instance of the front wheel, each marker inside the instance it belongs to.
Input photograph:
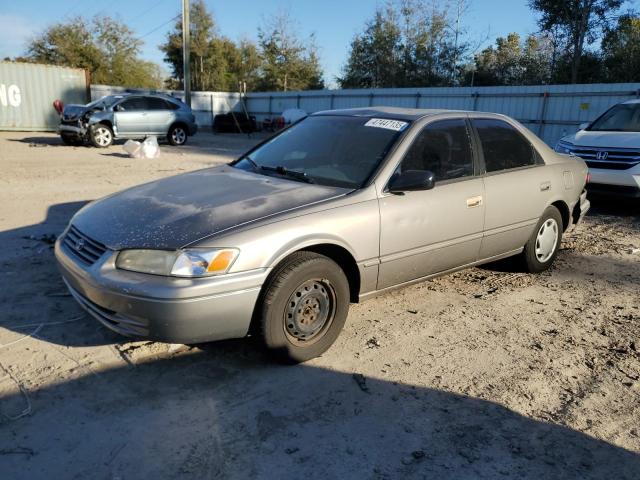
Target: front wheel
(101, 135)
(304, 307)
(177, 135)
(542, 248)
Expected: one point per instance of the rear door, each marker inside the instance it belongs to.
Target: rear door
(517, 186)
(427, 232)
(159, 115)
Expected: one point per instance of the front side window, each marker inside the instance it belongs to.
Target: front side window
(134, 105)
(503, 146)
(620, 118)
(327, 149)
(443, 148)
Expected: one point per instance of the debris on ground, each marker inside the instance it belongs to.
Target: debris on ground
(361, 381)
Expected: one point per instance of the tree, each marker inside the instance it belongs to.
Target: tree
(407, 43)
(621, 50)
(204, 57)
(105, 47)
(288, 62)
(515, 62)
(375, 56)
(580, 20)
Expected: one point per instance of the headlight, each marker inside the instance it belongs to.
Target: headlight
(193, 262)
(563, 147)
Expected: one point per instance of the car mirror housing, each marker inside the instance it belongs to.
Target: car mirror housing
(412, 180)
(582, 126)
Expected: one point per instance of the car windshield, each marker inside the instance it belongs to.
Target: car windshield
(105, 101)
(330, 150)
(624, 117)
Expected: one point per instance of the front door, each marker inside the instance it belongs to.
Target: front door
(130, 117)
(431, 231)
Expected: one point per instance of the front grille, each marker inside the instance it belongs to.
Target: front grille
(608, 158)
(83, 248)
(610, 165)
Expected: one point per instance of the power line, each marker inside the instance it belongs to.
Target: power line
(159, 27)
(155, 5)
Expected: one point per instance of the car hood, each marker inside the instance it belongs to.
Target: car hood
(586, 138)
(174, 212)
(73, 111)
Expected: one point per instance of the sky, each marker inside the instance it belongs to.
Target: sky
(334, 22)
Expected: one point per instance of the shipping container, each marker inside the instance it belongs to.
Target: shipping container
(27, 93)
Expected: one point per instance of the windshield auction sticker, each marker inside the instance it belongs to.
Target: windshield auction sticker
(396, 125)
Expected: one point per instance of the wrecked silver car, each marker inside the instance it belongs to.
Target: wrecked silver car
(339, 207)
(127, 116)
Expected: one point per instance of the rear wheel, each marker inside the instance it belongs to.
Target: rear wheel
(177, 135)
(304, 307)
(101, 135)
(542, 248)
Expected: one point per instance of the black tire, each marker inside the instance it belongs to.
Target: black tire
(100, 135)
(316, 290)
(177, 135)
(71, 140)
(535, 258)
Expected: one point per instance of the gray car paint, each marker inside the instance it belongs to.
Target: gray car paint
(391, 240)
(177, 211)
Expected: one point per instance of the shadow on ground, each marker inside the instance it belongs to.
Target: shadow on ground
(229, 413)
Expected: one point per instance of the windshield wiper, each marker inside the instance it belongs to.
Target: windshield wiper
(252, 162)
(285, 172)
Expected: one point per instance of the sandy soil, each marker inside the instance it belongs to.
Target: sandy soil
(487, 373)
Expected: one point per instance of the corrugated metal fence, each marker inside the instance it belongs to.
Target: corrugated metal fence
(27, 93)
(550, 111)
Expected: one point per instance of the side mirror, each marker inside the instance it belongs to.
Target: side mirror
(582, 126)
(412, 180)
(118, 108)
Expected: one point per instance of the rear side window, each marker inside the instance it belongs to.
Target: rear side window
(443, 148)
(503, 146)
(157, 104)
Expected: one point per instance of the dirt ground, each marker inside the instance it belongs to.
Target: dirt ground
(487, 373)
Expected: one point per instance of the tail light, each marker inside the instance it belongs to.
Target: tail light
(588, 178)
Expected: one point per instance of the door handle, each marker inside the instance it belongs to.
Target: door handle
(544, 186)
(474, 201)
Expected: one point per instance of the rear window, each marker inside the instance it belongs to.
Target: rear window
(332, 150)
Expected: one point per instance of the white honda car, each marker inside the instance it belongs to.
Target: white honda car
(611, 147)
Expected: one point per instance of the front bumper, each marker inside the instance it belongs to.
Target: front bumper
(175, 310)
(625, 183)
(71, 130)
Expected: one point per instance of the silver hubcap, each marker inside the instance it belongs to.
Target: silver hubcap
(310, 311)
(179, 135)
(102, 136)
(547, 240)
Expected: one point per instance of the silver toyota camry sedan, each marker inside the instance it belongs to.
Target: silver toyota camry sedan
(339, 207)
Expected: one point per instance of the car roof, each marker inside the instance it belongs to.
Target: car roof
(395, 113)
(637, 100)
(142, 94)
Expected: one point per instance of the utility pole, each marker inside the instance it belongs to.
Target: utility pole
(186, 60)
